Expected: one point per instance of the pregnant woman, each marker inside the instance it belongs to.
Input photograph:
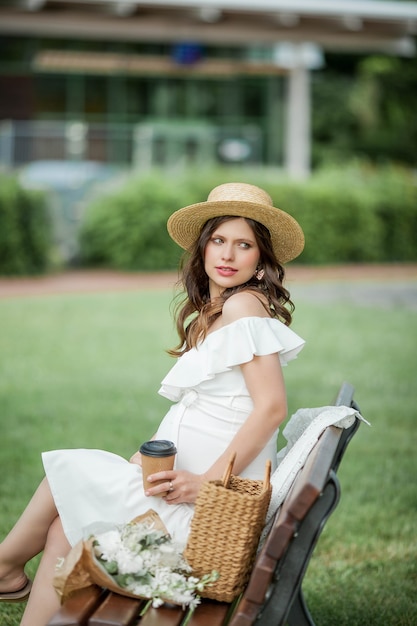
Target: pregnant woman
(226, 385)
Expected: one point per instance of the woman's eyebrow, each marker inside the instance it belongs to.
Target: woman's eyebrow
(238, 239)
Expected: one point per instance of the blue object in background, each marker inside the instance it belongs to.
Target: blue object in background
(187, 53)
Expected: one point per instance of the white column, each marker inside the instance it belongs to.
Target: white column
(297, 145)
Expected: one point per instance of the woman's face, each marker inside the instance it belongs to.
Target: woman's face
(231, 255)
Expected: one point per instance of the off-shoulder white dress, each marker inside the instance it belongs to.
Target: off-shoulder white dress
(211, 403)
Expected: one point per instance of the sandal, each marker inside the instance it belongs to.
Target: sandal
(17, 596)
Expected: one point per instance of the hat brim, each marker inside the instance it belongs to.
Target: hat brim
(184, 226)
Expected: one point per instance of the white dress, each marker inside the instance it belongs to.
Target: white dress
(211, 404)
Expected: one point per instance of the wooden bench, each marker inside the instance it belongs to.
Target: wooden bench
(274, 593)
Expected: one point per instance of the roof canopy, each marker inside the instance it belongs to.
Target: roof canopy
(350, 25)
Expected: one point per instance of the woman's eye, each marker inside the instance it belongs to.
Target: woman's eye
(241, 244)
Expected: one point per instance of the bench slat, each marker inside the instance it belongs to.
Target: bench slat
(210, 614)
(116, 610)
(163, 616)
(314, 474)
(78, 608)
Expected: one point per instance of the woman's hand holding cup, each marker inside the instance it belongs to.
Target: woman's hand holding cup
(157, 455)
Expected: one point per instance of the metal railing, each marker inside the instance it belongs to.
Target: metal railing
(144, 145)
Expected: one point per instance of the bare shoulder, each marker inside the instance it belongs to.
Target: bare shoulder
(244, 304)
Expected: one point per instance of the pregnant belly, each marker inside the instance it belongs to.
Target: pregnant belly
(202, 429)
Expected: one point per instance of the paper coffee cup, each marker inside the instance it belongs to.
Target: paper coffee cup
(157, 455)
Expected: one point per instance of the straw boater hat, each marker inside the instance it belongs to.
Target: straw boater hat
(242, 200)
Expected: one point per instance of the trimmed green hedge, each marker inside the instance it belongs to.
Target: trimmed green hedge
(127, 230)
(25, 229)
(350, 215)
(357, 214)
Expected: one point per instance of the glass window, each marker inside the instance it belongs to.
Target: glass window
(50, 92)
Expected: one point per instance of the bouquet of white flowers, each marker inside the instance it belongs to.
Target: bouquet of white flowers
(138, 559)
(145, 562)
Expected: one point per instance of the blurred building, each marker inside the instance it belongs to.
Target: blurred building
(162, 83)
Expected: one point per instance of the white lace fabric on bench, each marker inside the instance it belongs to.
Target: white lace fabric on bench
(302, 433)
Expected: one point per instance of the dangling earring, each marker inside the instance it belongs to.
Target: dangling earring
(259, 274)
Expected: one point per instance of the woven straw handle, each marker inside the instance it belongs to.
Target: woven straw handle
(229, 469)
(267, 477)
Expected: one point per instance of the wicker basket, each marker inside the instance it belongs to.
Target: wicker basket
(225, 530)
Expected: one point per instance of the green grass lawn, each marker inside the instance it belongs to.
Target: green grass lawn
(84, 371)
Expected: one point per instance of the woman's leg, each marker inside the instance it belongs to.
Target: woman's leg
(27, 538)
(43, 600)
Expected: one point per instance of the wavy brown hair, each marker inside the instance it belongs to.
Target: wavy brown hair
(195, 312)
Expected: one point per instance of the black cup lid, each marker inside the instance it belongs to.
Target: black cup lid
(158, 447)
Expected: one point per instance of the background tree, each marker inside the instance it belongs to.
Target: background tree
(365, 107)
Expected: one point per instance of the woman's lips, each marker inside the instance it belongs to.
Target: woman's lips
(226, 271)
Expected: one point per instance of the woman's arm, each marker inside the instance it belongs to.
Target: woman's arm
(265, 383)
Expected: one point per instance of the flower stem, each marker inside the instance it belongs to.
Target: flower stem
(145, 608)
(188, 617)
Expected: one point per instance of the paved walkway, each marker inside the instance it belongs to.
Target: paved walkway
(379, 285)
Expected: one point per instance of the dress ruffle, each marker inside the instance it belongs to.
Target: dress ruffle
(228, 347)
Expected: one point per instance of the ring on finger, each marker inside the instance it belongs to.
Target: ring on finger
(171, 486)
